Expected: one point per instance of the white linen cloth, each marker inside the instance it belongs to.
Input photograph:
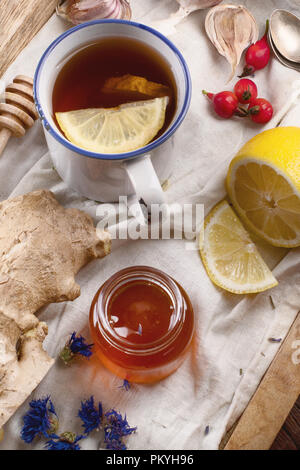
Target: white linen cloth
(232, 350)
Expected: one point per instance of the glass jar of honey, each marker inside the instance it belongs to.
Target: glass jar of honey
(142, 324)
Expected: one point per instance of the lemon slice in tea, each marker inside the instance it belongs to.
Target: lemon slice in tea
(136, 84)
(125, 128)
(231, 259)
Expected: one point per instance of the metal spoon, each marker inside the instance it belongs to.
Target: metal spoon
(283, 60)
(285, 34)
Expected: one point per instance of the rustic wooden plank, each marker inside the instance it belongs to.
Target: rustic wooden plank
(284, 442)
(20, 20)
(289, 435)
(273, 400)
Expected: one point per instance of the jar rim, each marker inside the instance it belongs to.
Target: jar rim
(155, 276)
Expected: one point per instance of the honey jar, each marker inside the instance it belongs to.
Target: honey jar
(142, 324)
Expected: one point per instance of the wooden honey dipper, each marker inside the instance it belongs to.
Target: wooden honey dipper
(18, 112)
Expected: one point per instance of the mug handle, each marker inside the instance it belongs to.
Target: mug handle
(146, 185)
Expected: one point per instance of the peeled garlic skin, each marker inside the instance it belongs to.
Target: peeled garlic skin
(167, 25)
(231, 28)
(80, 11)
(192, 5)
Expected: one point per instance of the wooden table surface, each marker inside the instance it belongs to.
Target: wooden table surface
(20, 21)
(289, 436)
(273, 400)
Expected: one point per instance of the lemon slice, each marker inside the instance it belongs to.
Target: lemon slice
(136, 84)
(263, 183)
(114, 130)
(231, 259)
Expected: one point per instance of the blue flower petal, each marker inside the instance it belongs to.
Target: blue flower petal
(126, 385)
(37, 419)
(115, 429)
(90, 416)
(78, 345)
(59, 443)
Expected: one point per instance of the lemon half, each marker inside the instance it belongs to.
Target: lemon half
(231, 259)
(114, 130)
(263, 183)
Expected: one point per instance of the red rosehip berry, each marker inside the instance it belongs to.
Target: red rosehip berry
(260, 110)
(225, 103)
(245, 90)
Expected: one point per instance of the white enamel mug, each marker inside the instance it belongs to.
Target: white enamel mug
(106, 177)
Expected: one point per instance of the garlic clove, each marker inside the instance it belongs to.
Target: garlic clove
(79, 11)
(231, 28)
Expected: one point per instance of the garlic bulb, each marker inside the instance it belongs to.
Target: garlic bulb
(231, 28)
(79, 11)
(167, 25)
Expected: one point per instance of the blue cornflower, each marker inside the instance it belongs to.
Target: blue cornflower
(78, 345)
(75, 346)
(126, 385)
(41, 419)
(115, 429)
(115, 445)
(90, 416)
(66, 441)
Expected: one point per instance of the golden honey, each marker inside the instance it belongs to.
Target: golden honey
(142, 324)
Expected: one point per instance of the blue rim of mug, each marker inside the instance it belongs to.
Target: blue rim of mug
(125, 155)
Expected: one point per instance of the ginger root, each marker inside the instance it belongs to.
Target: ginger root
(42, 247)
